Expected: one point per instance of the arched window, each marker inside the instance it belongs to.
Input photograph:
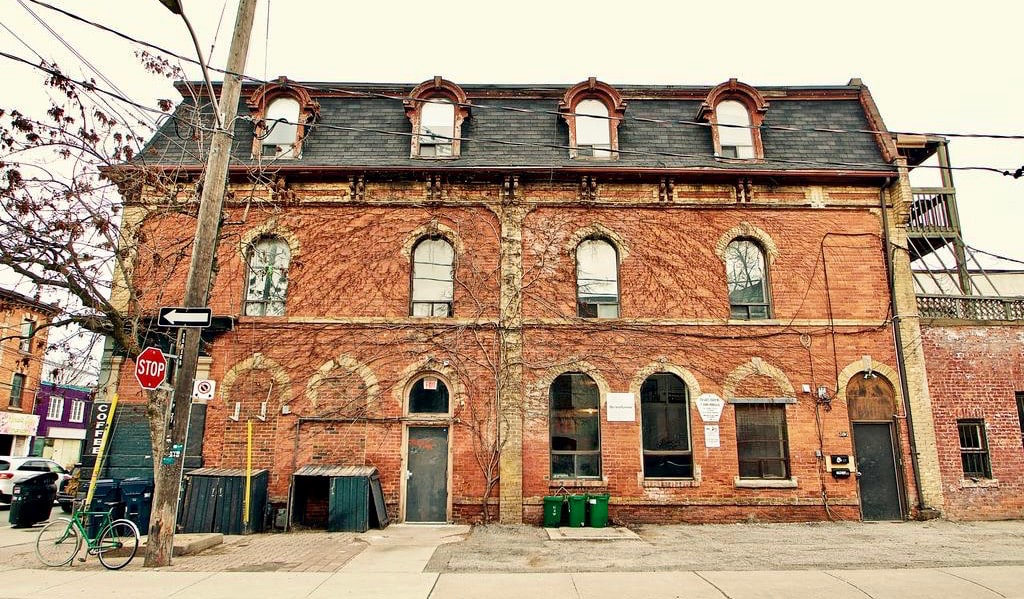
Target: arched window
(665, 416)
(429, 395)
(597, 279)
(593, 129)
(575, 414)
(433, 277)
(282, 129)
(734, 134)
(267, 278)
(747, 279)
(437, 128)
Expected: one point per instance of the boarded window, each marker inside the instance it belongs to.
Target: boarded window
(433, 277)
(575, 410)
(597, 279)
(665, 411)
(761, 441)
(267, 280)
(974, 449)
(870, 399)
(747, 280)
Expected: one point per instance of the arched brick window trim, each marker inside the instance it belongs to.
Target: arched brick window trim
(592, 89)
(750, 98)
(437, 88)
(264, 96)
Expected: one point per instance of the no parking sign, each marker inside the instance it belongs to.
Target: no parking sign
(203, 389)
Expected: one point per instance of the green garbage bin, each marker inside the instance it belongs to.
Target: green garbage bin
(598, 510)
(553, 511)
(577, 510)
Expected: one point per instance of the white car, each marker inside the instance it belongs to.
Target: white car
(13, 470)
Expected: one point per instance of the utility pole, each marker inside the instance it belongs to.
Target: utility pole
(197, 290)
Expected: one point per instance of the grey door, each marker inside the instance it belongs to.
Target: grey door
(426, 487)
(876, 464)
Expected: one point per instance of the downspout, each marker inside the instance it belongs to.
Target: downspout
(898, 338)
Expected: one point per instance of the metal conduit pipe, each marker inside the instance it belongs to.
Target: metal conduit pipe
(898, 339)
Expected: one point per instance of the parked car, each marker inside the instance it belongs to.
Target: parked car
(13, 470)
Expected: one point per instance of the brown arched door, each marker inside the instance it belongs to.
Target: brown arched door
(872, 408)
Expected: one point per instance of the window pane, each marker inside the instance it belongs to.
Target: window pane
(432, 271)
(746, 279)
(1020, 412)
(429, 395)
(575, 419)
(282, 127)
(593, 129)
(597, 279)
(27, 328)
(437, 128)
(267, 280)
(736, 141)
(17, 387)
(761, 441)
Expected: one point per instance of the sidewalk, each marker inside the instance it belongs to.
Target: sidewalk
(974, 583)
(748, 561)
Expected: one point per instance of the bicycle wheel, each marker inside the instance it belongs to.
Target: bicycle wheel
(117, 544)
(58, 542)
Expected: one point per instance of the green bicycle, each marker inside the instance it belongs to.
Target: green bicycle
(59, 541)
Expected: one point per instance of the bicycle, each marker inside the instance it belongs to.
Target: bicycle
(60, 541)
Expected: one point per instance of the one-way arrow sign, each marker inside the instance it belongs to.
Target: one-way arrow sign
(185, 317)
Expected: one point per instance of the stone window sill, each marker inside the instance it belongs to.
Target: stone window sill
(765, 483)
(981, 483)
(570, 483)
(670, 483)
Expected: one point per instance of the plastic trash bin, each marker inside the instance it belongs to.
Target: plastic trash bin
(553, 511)
(32, 499)
(598, 517)
(107, 497)
(577, 510)
(137, 494)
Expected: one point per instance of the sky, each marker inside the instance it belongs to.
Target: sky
(952, 69)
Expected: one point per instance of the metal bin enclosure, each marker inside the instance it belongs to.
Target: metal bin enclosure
(32, 499)
(215, 501)
(355, 499)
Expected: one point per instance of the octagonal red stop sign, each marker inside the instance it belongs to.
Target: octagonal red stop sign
(150, 368)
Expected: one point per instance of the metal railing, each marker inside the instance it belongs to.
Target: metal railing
(965, 307)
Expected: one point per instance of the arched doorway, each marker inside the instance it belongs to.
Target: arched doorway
(871, 401)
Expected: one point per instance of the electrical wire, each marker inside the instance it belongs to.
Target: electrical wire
(331, 88)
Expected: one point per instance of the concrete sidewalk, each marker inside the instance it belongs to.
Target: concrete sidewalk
(981, 583)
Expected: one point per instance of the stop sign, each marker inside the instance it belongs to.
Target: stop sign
(150, 368)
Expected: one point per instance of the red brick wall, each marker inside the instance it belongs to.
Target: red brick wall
(973, 372)
(350, 266)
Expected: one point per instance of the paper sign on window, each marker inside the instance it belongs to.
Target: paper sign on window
(430, 383)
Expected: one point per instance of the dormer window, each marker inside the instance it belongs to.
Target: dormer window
(734, 130)
(282, 124)
(593, 111)
(437, 129)
(436, 110)
(735, 111)
(593, 132)
(283, 113)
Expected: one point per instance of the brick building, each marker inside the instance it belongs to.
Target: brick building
(62, 411)
(22, 347)
(675, 295)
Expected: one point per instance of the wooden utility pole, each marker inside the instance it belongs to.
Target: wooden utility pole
(197, 290)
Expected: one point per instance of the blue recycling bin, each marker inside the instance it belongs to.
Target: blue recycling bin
(137, 496)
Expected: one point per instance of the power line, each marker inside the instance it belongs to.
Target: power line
(515, 109)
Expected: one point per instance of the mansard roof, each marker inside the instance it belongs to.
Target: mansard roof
(363, 126)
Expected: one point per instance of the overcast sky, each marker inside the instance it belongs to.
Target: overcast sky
(931, 67)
